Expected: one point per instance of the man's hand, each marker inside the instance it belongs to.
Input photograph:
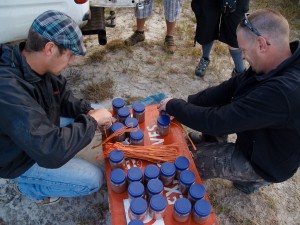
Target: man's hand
(102, 116)
(162, 104)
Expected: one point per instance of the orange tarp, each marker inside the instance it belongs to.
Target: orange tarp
(119, 204)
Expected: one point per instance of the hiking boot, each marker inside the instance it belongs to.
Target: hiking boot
(170, 44)
(234, 73)
(135, 38)
(202, 67)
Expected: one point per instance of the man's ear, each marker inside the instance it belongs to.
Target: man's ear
(49, 48)
(262, 44)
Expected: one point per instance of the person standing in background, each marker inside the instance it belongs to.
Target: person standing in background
(143, 10)
(218, 20)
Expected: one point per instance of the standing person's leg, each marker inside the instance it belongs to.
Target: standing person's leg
(207, 14)
(141, 15)
(140, 25)
(224, 160)
(169, 39)
(228, 27)
(170, 28)
(172, 9)
(205, 60)
(237, 57)
(76, 178)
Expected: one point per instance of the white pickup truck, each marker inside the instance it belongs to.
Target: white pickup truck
(16, 16)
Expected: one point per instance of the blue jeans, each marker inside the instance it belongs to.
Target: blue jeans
(76, 178)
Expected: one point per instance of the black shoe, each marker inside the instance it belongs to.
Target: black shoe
(198, 138)
(246, 187)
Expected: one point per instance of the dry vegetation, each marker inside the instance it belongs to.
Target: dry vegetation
(137, 72)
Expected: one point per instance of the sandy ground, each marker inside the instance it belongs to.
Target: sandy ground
(133, 74)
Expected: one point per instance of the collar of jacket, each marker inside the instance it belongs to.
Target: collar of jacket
(17, 59)
(295, 49)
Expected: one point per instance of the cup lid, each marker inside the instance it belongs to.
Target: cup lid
(167, 169)
(118, 103)
(182, 206)
(197, 191)
(181, 163)
(138, 206)
(131, 122)
(187, 177)
(116, 156)
(116, 126)
(151, 171)
(155, 186)
(136, 189)
(158, 203)
(123, 112)
(117, 176)
(202, 208)
(137, 135)
(138, 107)
(136, 222)
(163, 120)
(135, 174)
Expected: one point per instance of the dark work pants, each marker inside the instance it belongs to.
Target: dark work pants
(224, 160)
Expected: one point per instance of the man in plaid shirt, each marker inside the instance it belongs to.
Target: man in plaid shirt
(36, 153)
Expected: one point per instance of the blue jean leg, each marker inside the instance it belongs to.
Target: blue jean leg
(65, 121)
(76, 178)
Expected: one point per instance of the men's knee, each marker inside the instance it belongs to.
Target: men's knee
(95, 179)
(89, 174)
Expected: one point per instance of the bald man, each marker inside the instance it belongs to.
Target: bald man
(262, 106)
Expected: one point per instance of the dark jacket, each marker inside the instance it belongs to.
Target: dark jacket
(30, 107)
(264, 111)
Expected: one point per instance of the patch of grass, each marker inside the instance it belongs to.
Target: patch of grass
(131, 99)
(159, 3)
(150, 61)
(149, 45)
(87, 39)
(187, 13)
(99, 91)
(96, 56)
(73, 76)
(270, 201)
(185, 32)
(129, 69)
(174, 70)
(194, 51)
(221, 208)
(117, 45)
(220, 48)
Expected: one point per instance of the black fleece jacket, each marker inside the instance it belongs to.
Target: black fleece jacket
(264, 111)
(30, 107)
